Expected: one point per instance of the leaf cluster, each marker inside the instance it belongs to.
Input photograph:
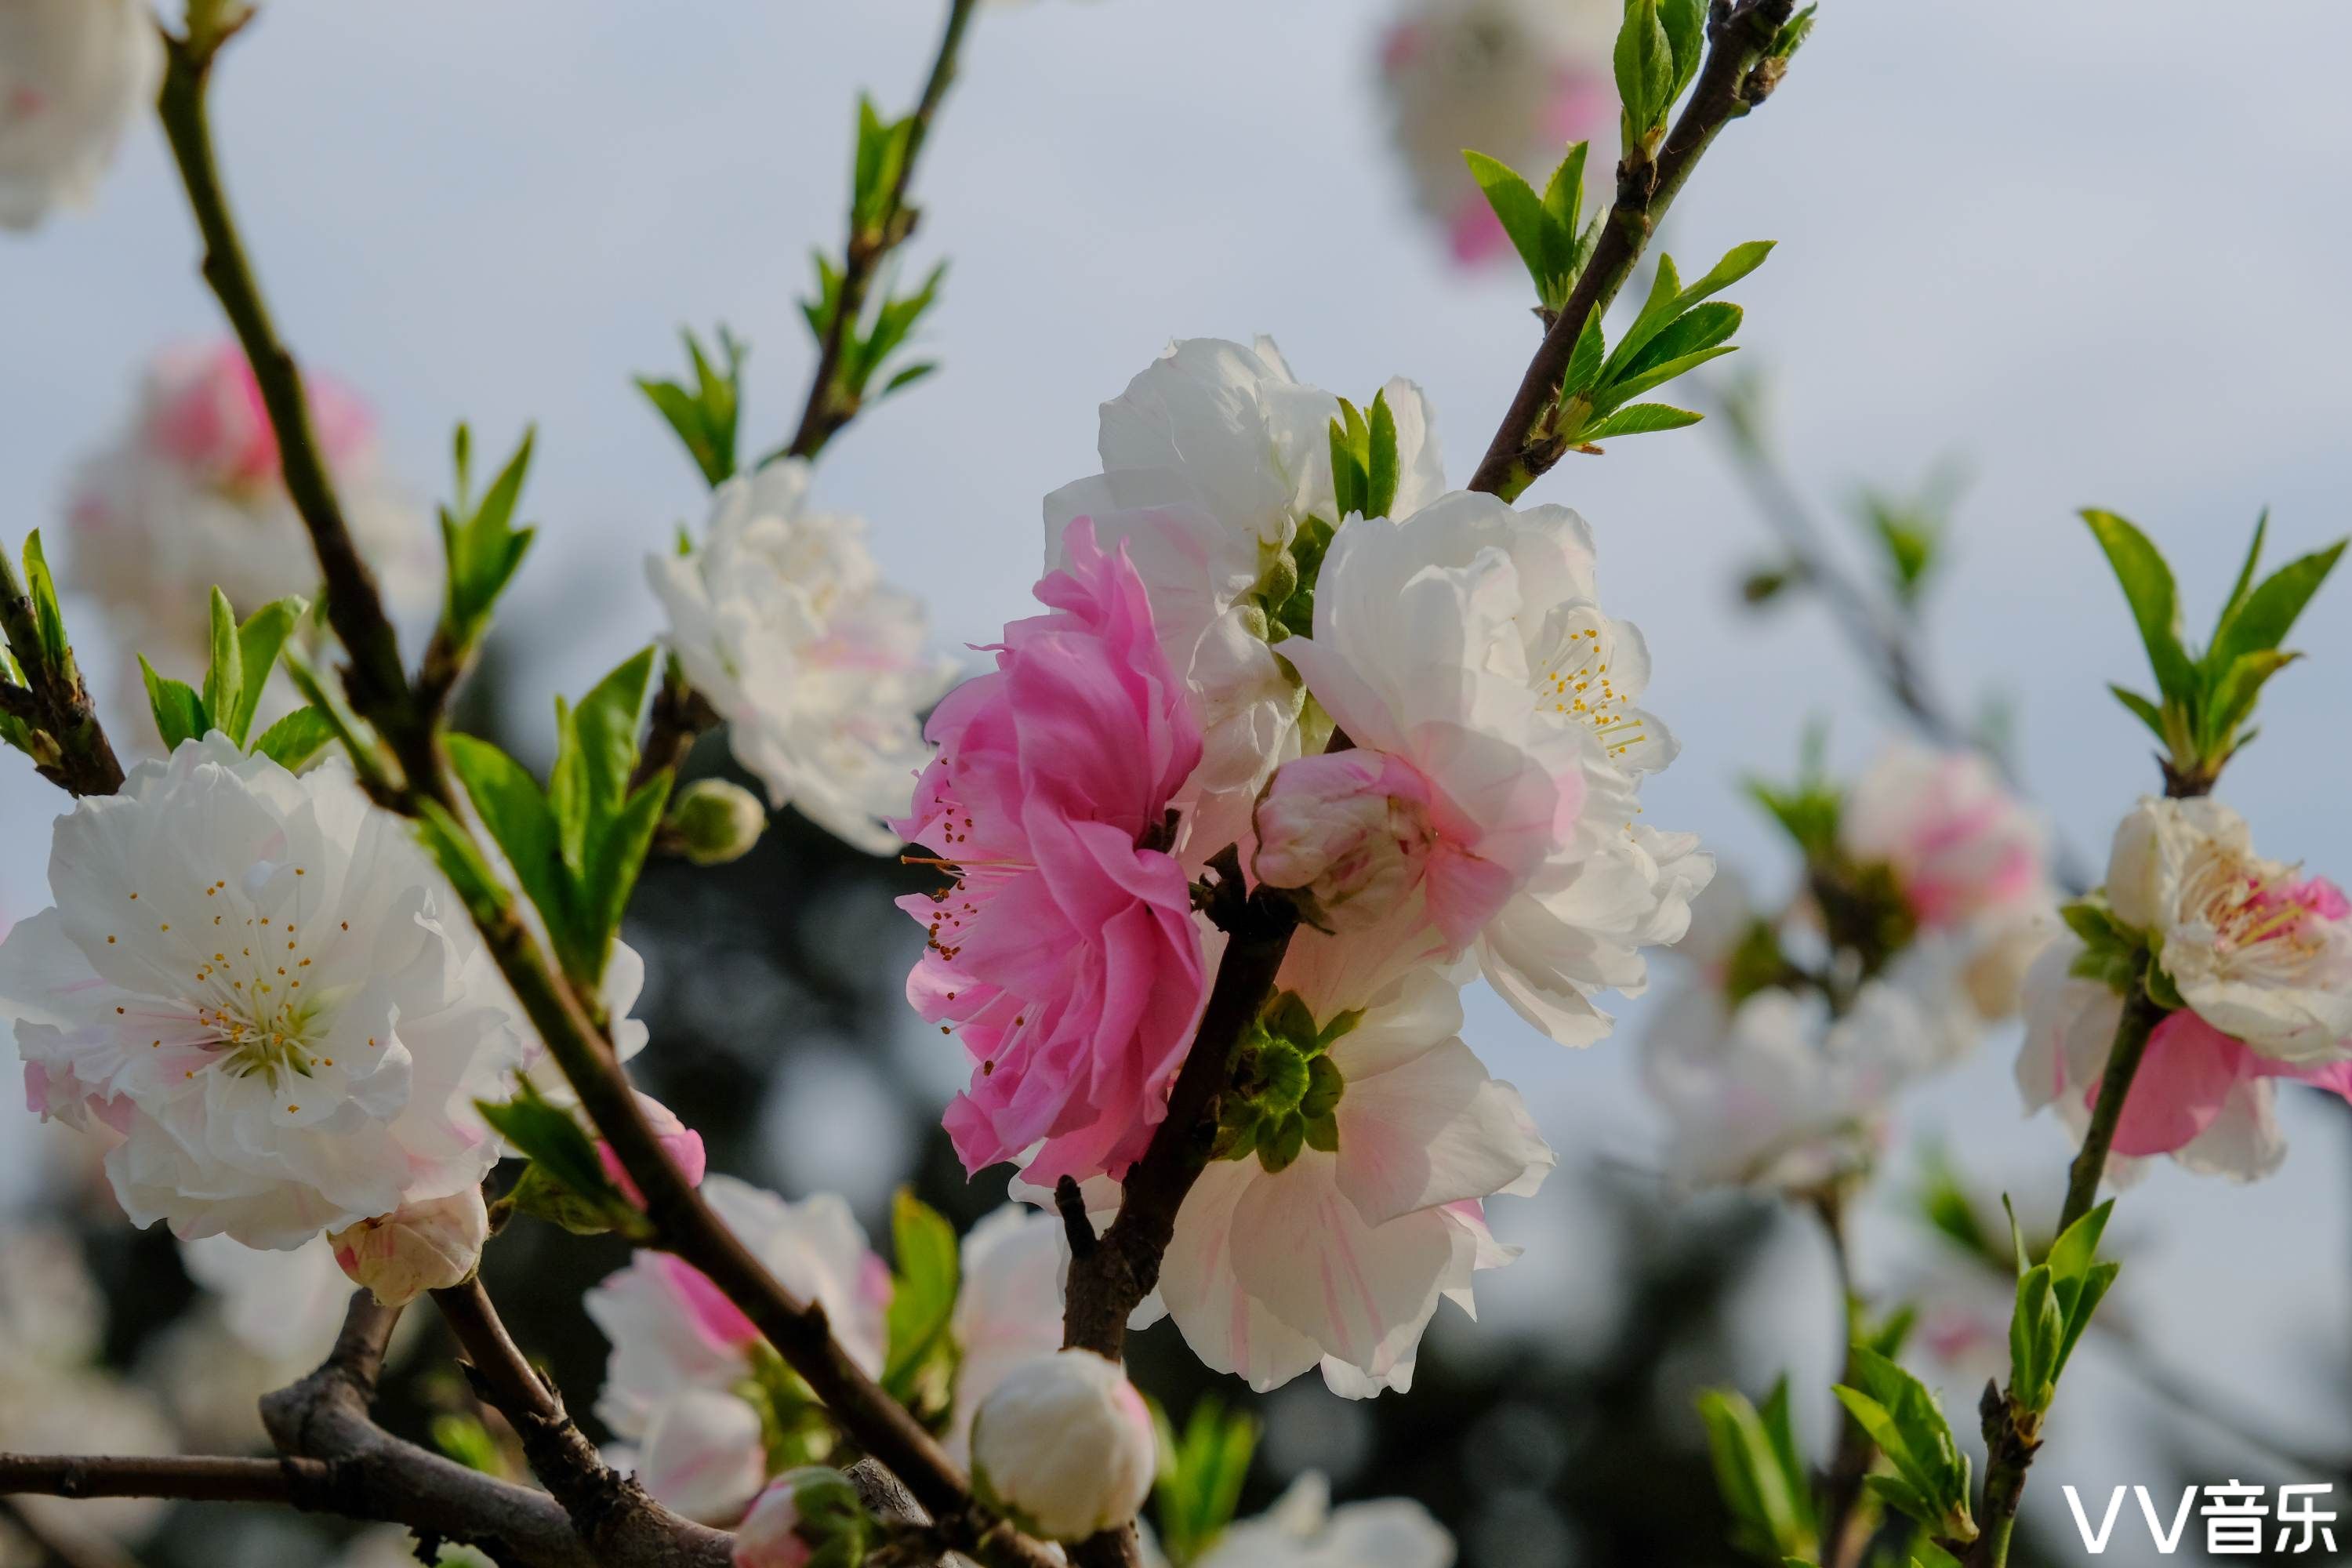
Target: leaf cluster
(2205, 699)
(1201, 1470)
(243, 656)
(1761, 1474)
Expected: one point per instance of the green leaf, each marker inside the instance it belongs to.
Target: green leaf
(2072, 1254)
(1519, 210)
(1202, 1473)
(1640, 382)
(1898, 1414)
(1641, 419)
(551, 1139)
(2095, 1284)
(509, 801)
(1657, 314)
(48, 620)
(2232, 702)
(482, 546)
(1684, 22)
(2155, 602)
(1764, 1482)
(179, 712)
(259, 642)
(225, 677)
(1736, 263)
(2269, 613)
(2034, 1327)
(1645, 68)
(2145, 711)
(596, 749)
(923, 1298)
(295, 739)
(1564, 249)
(1584, 360)
(1380, 480)
(2245, 575)
(616, 855)
(1785, 44)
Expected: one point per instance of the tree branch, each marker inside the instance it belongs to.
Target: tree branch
(1109, 1276)
(572, 1027)
(614, 1515)
(197, 1478)
(1729, 85)
(831, 404)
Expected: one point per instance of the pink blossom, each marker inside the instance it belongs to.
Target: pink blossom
(1065, 951)
(680, 1142)
(2187, 1077)
(208, 417)
(1960, 843)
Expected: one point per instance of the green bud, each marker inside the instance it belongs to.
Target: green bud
(713, 821)
(1288, 1017)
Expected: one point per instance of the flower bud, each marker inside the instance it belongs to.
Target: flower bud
(800, 1513)
(682, 1143)
(419, 1247)
(713, 821)
(1064, 1445)
(1350, 828)
(703, 1456)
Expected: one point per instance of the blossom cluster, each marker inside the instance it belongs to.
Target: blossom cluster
(1780, 1053)
(1272, 645)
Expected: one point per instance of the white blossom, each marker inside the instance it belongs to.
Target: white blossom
(1008, 1307)
(189, 497)
(74, 74)
(1471, 645)
(784, 624)
(1302, 1530)
(431, 1244)
(247, 975)
(2260, 950)
(1340, 1259)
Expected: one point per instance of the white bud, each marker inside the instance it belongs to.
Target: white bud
(419, 1247)
(800, 1510)
(1348, 828)
(716, 821)
(1064, 1445)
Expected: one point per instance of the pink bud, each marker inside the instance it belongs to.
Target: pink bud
(1350, 827)
(420, 1246)
(682, 1143)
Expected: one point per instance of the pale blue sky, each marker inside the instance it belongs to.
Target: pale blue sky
(2090, 246)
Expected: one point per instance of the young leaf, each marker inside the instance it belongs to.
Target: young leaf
(1686, 26)
(482, 546)
(225, 677)
(2155, 603)
(1518, 209)
(258, 643)
(1380, 477)
(1563, 203)
(1641, 419)
(48, 620)
(923, 1296)
(179, 712)
(551, 1139)
(511, 806)
(1736, 263)
(2145, 711)
(616, 857)
(2268, 614)
(1644, 60)
(1202, 1472)
(294, 740)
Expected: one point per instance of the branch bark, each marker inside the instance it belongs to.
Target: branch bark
(1730, 84)
(54, 701)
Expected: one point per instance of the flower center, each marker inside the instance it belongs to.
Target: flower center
(2251, 906)
(1576, 682)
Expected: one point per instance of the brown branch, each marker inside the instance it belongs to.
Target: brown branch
(616, 1518)
(1110, 1276)
(830, 403)
(1730, 84)
(679, 715)
(354, 609)
(197, 1479)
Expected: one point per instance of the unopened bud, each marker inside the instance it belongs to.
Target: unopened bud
(713, 821)
(802, 1512)
(1064, 1445)
(419, 1247)
(1349, 828)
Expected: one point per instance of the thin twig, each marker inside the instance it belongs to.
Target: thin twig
(832, 404)
(195, 1478)
(1728, 86)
